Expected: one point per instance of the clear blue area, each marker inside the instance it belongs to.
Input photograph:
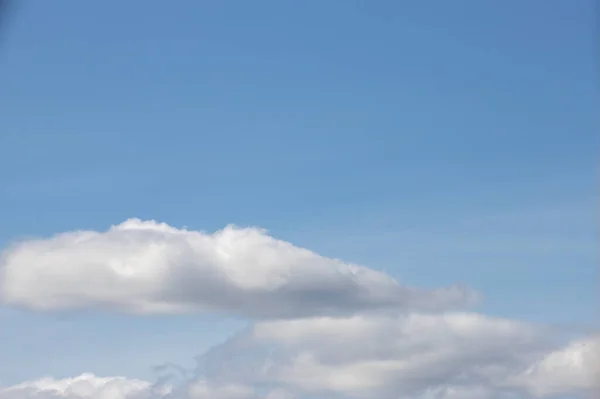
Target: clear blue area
(448, 141)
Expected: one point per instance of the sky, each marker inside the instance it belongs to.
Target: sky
(275, 200)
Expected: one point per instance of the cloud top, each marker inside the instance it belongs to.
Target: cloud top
(145, 267)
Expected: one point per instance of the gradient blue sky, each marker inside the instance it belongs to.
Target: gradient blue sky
(447, 142)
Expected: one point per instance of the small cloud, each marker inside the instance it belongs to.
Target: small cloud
(85, 386)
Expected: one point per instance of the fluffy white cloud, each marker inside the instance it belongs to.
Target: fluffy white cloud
(426, 356)
(147, 267)
(419, 356)
(85, 386)
(575, 368)
(325, 329)
(89, 386)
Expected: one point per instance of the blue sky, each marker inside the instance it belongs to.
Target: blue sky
(446, 143)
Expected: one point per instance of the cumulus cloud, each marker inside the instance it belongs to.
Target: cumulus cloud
(323, 328)
(575, 368)
(90, 386)
(146, 267)
(426, 356)
(85, 386)
(417, 356)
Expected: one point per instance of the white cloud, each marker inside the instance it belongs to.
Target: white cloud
(85, 386)
(427, 356)
(345, 331)
(570, 369)
(202, 389)
(89, 386)
(416, 356)
(146, 267)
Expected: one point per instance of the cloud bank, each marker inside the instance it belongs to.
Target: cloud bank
(145, 267)
(320, 328)
(453, 356)
(418, 355)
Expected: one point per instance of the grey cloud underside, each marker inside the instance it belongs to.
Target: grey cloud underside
(152, 268)
(344, 295)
